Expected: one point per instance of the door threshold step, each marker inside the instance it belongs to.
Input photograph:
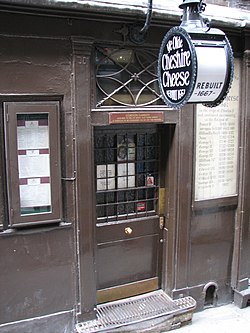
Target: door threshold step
(137, 309)
(242, 298)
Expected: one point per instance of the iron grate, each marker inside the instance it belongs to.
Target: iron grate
(134, 310)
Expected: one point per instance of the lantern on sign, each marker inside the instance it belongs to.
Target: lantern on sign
(195, 62)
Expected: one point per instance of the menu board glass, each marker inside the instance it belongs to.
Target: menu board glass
(33, 163)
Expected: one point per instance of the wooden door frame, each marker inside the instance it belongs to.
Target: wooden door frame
(140, 230)
(84, 229)
(176, 233)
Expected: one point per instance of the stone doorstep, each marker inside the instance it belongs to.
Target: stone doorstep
(242, 298)
(158, 325)
(152, 312)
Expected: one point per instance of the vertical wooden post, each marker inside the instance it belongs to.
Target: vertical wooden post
(82, 48)
(241, 260)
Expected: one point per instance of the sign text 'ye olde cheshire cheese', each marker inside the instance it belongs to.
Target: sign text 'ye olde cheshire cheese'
(187, 71)
(175, 66)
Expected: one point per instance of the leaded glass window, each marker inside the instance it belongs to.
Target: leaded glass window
(126, 77)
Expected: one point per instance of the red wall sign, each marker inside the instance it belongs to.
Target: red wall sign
(135, 117)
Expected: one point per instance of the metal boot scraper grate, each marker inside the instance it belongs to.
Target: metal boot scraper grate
(134, 310)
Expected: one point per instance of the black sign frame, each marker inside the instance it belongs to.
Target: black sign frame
(177, 37)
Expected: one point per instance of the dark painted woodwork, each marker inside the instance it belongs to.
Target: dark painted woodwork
(121, 257)
(241, 259)
(12, 110)
(101, 118)
(184, 188)
(52, 270)
(37, 264)
(142, 226)
(36, 273)
(168, 168)
(4, 220)
(245, 258)
(126, 261)
(211, 237)
(59, 322)
(84, 183)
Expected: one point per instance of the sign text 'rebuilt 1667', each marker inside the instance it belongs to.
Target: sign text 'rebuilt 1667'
(187, 71)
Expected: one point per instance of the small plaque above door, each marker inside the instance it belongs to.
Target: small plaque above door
(135, 117)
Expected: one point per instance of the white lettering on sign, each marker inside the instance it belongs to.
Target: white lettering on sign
(175, 43)
(176, 95)
(177, 60)
(175, 79)
(175, 66)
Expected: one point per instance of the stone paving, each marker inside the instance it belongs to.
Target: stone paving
(223, 319)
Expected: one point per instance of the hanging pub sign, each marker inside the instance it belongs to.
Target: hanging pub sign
(177, 66)
(195, 64)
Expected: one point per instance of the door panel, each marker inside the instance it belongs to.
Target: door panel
(128, 235)
(116, 231)
(129, 260)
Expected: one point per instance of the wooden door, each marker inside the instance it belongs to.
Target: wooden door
(128, 234)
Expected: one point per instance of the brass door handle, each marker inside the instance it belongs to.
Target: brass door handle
(128, 230)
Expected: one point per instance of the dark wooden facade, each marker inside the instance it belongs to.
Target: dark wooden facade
(50, 272)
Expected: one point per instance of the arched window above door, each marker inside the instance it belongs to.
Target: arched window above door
(126, 77)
